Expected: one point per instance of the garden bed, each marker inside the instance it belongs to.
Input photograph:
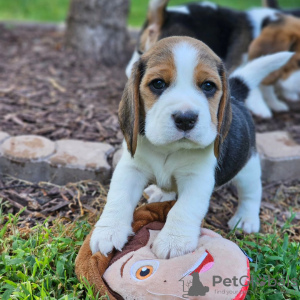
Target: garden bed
(50, 91)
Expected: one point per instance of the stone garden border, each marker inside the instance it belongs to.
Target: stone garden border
(35, 158)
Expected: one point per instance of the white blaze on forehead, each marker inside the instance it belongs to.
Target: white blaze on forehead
(186, 59)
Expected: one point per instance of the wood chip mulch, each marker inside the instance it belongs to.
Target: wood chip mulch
(50, 91)
(86, 199)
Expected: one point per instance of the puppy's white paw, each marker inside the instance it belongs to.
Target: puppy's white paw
(155, 194)
(107, 236)
(248, 222)
(168, 245)
(280, 106)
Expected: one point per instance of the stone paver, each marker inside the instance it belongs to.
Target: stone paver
(77, 160)
(82, 155)
(280, 156)
(35, 158)
(27, 148)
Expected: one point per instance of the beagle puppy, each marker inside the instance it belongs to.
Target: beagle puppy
(280, 35)
(226, 31)
(186, 129)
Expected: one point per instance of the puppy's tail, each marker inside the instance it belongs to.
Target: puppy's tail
(249, 76)
(156, 11)
(270, 3)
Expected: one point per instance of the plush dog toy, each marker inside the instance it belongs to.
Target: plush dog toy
(217, 269)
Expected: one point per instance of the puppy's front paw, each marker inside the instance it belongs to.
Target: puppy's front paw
(155, 194)
(248, 222)
(105, 236)
(168, 245)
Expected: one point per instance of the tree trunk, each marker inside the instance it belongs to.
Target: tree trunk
(98, 28)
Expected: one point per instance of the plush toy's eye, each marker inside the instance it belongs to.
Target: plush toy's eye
(144, 272)
(143, 269)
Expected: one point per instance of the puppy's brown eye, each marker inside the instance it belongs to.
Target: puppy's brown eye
(208, 86)
(158, 84)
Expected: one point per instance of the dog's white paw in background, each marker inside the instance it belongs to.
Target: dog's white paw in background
(154, 194)
(257, 105)
(289, 88)
(272, 100)
(248, 183)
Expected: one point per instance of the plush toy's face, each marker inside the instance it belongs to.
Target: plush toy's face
(198, 275)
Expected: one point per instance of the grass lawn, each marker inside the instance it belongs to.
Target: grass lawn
(56, 10)
(39, 263)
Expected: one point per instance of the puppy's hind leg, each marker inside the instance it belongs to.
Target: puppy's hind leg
(155, 194)
(248, 183)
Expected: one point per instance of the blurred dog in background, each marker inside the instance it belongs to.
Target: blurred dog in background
(280, 35)
(226, 31)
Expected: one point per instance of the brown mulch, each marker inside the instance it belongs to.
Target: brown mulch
(50, 91)
(86, 199)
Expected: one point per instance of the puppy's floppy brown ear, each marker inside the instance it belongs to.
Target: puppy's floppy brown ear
(224, 112)
(131, 113)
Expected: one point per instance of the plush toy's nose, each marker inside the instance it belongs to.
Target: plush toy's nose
(185, 121)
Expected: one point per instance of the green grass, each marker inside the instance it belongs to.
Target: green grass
(39, 264)
(275, 270)
(56, 10)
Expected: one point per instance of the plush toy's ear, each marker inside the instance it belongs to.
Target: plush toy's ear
(224, 113)
(131, 110)
(92, 267)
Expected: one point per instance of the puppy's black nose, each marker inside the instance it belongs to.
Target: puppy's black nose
(185, 121)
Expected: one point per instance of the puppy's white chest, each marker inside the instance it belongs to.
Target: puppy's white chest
(163, 173)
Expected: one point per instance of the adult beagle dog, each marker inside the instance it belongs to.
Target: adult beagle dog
(187, 129)
(226, 31)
